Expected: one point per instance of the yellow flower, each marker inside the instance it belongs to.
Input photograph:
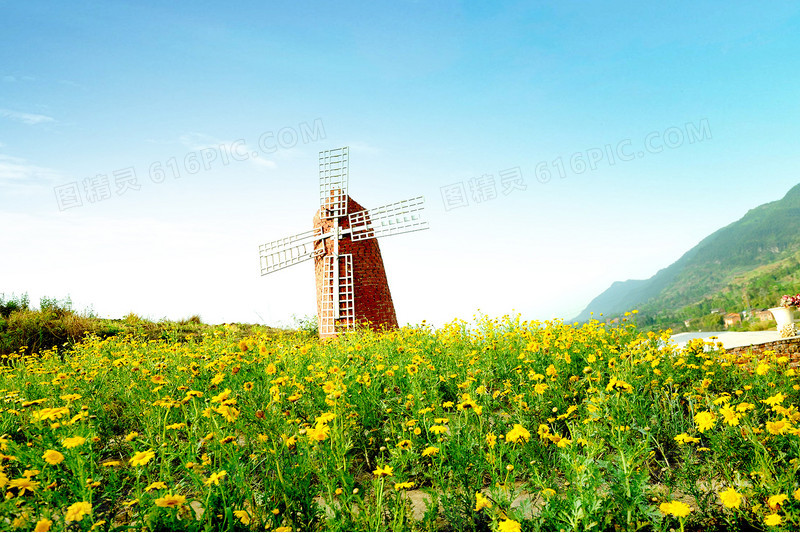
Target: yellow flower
(404, 444)
(72, 442)
(20, 521)
(383, 471)
(543, 431)
(482, 502)
(43, 525)
(271, 369)
(319, 432)
(548, 493)
(324, 418)
(437, 429)
(214, 478)
(491, 439)
(518, 434)
(49, 413)
(730, 498)
(778, 427)
(171, 500)
(762, 369)
(230, 413)
(551, 370)
(130, 436)
(705, 420)
(796, 494)
(730, 416)
(111, 463)
(53, 457)
(777, 500)
(77, 511)
(222, 396)
(403, 486)
(155, 486)
(23, 484)
(142, 458)
(430, 451)
(774, 400)
(618, 384)
(539, 388)
(217, 379)
(243, 517)
(683, 438)
(773, 519)
(675, 508)
(508, 524)
(248, 386)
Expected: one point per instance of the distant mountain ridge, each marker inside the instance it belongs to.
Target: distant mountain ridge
(768, 235)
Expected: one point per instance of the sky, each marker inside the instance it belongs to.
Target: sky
(148, 148)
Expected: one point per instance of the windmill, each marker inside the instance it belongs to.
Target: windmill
(350, 276)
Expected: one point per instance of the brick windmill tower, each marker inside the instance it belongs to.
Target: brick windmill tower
(350, 277)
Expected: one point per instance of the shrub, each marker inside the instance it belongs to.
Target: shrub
(13, 304)
(32, 331)
(308, 324)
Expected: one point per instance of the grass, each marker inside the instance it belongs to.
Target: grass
(503, 425)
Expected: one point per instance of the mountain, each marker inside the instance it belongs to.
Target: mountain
(743, 264)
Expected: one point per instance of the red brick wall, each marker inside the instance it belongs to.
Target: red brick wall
(372, 298)
(783, 347)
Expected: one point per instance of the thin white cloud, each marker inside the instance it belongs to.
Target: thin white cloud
(261, 162)
(237, 150)
(364, 148)
(25, 118)
(10, 78)
(70, 83)
(15, 171)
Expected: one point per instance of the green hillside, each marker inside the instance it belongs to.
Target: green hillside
(749, 263)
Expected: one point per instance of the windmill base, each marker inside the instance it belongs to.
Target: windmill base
(363, 290)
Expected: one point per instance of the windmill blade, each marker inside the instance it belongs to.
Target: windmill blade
(399, 217)
(289, 251)
(334, 170)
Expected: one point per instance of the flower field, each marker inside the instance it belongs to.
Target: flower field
(505, 425)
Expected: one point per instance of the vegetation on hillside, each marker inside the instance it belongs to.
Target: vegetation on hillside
(759, 288)
(749, 264)
(505, 425)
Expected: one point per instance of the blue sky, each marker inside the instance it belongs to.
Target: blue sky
(147, 149)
